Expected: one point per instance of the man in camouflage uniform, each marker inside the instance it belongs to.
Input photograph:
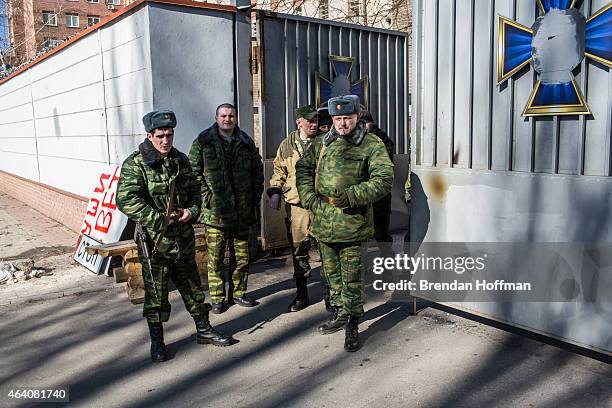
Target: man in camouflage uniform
(381, 208)
(148, 177)
(338, 179)
(228, 166)
(283, 182)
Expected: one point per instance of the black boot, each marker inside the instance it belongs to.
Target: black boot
(335, 323)
(301, 300)
(158, 348)
(206, 334)
(326, 299)
(351, 339)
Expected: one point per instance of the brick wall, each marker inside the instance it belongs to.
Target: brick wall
(66, 208)
(30, 35)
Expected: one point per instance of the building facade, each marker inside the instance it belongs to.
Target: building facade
(388, 14)
(34, 25)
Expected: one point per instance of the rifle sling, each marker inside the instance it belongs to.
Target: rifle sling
(316, 180)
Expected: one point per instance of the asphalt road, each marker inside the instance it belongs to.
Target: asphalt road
(97, 345)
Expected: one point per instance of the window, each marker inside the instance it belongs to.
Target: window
(49, 18)
(72, 20)
(91, 20)
(93, 1)
(324, 9)
(114, 2)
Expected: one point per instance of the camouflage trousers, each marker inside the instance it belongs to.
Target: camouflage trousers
(184, 274)
(297, 223)
(344, 273)
(238, 243)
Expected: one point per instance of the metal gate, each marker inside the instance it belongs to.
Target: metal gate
(298, 55)
(484, 172)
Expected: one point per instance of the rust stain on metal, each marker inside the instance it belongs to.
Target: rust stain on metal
(438, 186)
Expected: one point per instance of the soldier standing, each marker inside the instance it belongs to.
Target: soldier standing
(338, 179)
(157, 190)
(283, 182)
(228, 166)
(382, 207)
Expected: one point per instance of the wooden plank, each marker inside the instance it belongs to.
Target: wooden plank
(113, 249)
(120, 274)
(122, 247)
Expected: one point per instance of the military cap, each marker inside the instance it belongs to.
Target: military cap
(158, 119)
(324, 118)
(343, 105)
(306, 112)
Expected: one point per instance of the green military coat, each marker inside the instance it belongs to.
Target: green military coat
(143, 194)
(357, 164)
(231, 179)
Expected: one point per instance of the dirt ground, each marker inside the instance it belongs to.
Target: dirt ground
(26, 233)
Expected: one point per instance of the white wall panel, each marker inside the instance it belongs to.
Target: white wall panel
(24, 128)
(127, 58)
(128, 89)
(126, 120)
(79, 75)
(89, 148)
(16, 114)
(60, 173)
(19, 145)
(190, 83)
(88, 123)
(88, 98)
(78, 51)
(126, 29)
(122, 146)
(82, 107)
(15, 98)
(14, 84)
(24, 165)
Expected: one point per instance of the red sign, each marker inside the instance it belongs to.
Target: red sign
(103, 221)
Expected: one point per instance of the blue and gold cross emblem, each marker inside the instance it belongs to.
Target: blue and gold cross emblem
(555, 45)
(340, 83)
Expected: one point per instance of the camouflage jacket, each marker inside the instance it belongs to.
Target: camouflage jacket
(289, 152)
(143, 194)
(231, 186)
(357, 164)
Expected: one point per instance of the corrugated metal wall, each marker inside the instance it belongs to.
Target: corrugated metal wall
(295, 47)
(466, 121)
(484, 173)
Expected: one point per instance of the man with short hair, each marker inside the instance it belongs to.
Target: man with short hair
(338, 179)
(291, 149)
(157, 189)
(382, 207)
(229, 168)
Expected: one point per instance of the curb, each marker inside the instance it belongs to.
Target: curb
(114, 288)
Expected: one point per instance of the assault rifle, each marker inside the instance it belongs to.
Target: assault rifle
(140, 237)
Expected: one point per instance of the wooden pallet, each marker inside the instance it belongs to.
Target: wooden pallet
(131, 269)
